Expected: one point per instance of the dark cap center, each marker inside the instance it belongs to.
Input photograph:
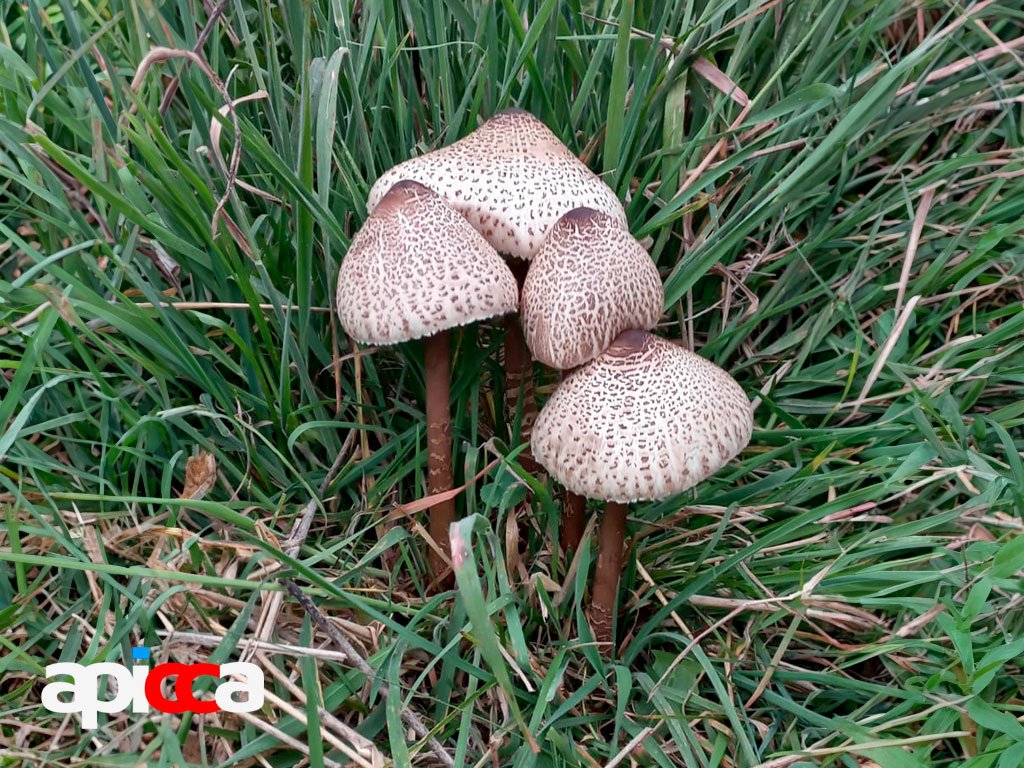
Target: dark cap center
(629, 343)
(401, 193)
(581, 216)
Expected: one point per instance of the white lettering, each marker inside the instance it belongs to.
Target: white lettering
(85, 690)
(252, 687)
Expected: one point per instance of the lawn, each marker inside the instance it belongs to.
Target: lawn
(833, 193)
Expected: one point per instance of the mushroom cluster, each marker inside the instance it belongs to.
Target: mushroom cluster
(418, 268)
(635, 417)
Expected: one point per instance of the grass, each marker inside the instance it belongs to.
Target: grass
(834, 193)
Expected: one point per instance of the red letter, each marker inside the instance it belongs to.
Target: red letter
(185, 700)
(183, 688)
(154, 693)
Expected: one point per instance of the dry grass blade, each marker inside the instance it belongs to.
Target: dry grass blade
(960, 65)
(411, 508)
(409, 717)
(300, 529)
(216, 128)
(291, 546)
(883, 357)
(204, 35)
(716, 151)
(804, 595)
(205, 305)
(920, 216)
(720, 80)
(161, 54)
(360, 751)
(291, 741)
(632, 745)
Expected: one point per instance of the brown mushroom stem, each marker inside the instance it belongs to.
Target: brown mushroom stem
(518, 382)
(439, 445)
(574, 520)
(519, 370)
(574, 512)
(606, 577)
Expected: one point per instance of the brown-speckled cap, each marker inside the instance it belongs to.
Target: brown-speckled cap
(417, 267)
(589, 282)
(511, 178)
(645, 420)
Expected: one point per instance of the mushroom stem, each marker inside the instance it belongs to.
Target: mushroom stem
(574, 512)
(439, 445)
(606, 577)
(519, 369)
(574, 520)
(517, 366)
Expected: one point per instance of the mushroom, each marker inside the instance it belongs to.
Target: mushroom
(512, 179)
(589, 282)
(414, 270)
(644, 421)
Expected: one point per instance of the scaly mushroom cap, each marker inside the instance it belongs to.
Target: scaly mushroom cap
(417, 267)
(645, 420)
(511, 178)
(589, 282)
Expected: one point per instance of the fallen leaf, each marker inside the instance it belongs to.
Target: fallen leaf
(200, 475)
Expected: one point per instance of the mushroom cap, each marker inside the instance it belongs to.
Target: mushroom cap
(416, 267)
(589, 282)
(644, 421)
(511, 178)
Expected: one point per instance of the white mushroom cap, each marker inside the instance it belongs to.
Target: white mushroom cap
(416, 267)
(589, 282)
(645, 420)
(511, 178)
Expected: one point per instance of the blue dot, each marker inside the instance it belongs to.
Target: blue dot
(140, 653)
